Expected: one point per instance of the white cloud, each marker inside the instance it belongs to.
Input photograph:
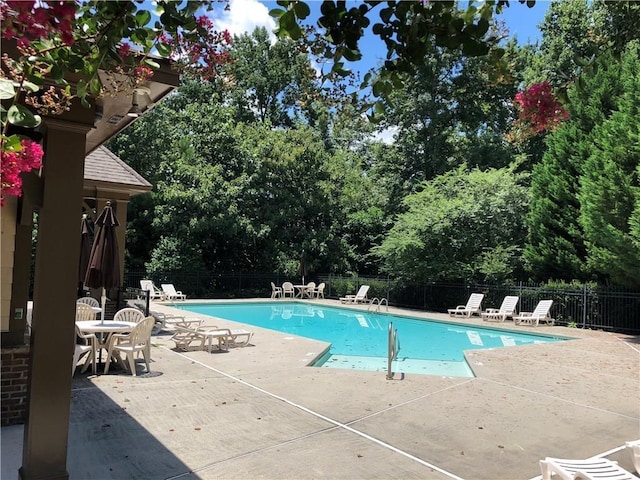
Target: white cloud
(387, 135)
(243, 16)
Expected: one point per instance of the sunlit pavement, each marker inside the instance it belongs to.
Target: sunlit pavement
(260, 412)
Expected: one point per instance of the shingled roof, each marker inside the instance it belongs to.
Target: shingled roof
(105, 168)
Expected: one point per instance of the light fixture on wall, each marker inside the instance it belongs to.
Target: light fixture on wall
(135, 111)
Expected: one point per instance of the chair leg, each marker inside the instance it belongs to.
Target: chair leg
(76, 357)
(145, 354)
(91, 360)
(107, 362)
(132, 363)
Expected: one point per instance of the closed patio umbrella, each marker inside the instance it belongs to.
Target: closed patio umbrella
(104, 262)
(85, 248)
(302, 270)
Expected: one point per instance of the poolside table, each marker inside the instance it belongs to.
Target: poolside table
(106, 329)
(302, 291)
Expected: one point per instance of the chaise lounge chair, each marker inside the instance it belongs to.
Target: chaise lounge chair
(154, 292)
(472, 306)
(507, 309)
(539, 314)
(590, 469)
(360, 297)
(226, 337)
(634, 448)
(171, 293)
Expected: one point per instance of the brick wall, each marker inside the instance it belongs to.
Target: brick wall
(14, 366)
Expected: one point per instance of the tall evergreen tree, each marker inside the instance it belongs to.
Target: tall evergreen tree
(610, 190)
(555, 247)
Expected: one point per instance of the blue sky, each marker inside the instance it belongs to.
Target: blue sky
(244, 15)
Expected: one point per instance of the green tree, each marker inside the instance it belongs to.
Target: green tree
(448, 114)
(570, 36)
(464, 225)
(271, 80)
(610, 187)
(555, 247)
(290, 201)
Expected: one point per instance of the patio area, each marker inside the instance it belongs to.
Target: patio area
(259, 412)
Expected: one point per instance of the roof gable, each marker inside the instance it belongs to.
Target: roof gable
(103, 166)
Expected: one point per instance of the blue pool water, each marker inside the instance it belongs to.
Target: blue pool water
(359, 339)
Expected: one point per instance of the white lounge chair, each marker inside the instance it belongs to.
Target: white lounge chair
(507, 309)
(154, 292)
(165, 319)
(539, 314)
(634, 448)
(473, 306)
(171, 293)
(360, 297)
(185, 336)
(590, 469)
(288, 290)
(276, 292)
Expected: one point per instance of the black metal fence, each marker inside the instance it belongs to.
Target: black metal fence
(579, 305)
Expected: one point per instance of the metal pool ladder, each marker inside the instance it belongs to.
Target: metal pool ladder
(394, 348)
(377, 302)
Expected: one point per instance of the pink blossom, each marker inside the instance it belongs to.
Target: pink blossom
(29, 157)
(124, 50)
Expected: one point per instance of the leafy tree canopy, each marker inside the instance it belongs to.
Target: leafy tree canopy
(465, 225)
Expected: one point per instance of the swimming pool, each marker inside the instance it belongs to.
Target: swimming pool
(359, 339)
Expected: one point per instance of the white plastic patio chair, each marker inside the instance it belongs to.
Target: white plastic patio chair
(276, 292)
(85, 312)
(288, 290)
(85, 349)
(128, 314)
(319, 291)
(139, 340)
(309, 289)
(171, 293)
(92, 302)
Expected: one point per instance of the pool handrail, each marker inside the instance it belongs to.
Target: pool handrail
(394, 344)
(377, 302)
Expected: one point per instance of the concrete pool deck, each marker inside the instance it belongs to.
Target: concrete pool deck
(258, 412)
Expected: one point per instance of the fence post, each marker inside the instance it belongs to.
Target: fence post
(584, 305)
(388, 291)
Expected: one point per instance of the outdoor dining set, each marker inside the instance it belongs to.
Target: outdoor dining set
(129, 333)
(289, 290)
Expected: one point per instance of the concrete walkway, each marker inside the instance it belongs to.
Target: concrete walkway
(259, 412)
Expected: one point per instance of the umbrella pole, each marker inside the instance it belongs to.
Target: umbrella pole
(104, 303)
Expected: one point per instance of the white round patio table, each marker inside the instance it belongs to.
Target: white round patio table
(106, 329)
